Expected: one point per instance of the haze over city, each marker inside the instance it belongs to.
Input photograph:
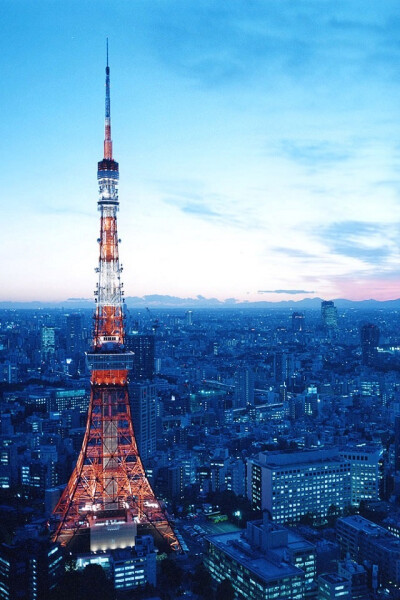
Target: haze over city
(258, 144)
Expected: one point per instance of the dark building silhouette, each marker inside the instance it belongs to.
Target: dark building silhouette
(143, 399)
(369, 335)
(282, 369)
(143, 361)
(74, 335)
(47, 342)
(311, 401)
(297, 322)
(244, 387)
(30, 569)
(397, 443)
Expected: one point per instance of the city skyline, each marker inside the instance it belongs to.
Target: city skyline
(258, 147)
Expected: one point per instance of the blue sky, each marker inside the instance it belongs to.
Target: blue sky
(259, 147)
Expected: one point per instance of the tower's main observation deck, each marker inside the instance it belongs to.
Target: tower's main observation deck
(108, 487)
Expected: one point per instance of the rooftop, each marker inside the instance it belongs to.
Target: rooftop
(305, 457)
(333, 578)
(382, 537)
(255, 561)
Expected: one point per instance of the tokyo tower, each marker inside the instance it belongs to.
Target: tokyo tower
(108, 490)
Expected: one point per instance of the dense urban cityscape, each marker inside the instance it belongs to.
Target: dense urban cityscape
(272, 437)
(164, 447)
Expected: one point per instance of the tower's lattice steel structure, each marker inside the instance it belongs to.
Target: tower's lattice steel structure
(109, 481)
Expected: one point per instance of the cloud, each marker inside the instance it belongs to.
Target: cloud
(48, 209)
(164, 299)
(200, 210)
(177, 301)
(294, 252)
(194, 205)
(368, 242)
(292, 292)
(320, 153)
(209, 207)
(216, 44)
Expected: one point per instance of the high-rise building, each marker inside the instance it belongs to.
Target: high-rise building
(397, 443)
(142, 347)
(74, 335)
(283, 367)
(369, 336)
(293, 484)
(311, 402)
(189, 317)
(143, 399)
(108, 494)
(244, 387)
(365, 471)
(235, 478)
(8, 372)
(30, 569)
(218, 469)
(47, 342)
(297, 322)
(329, 314)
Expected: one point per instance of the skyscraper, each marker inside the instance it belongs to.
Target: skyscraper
(329, 314)
(142, 347)
(369, 336)
(282, 367)
(244, 387)
(47, 342)
(143, 397)
(297, 322)
(74, 337)
(311, 401)
(397, 443)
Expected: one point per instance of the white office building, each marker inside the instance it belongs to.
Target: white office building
(290, 485)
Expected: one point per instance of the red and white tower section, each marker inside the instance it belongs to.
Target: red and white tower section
(108, 489)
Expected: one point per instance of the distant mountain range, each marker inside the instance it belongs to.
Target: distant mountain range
(161, 301)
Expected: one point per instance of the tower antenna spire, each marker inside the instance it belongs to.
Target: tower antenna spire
(107, 126)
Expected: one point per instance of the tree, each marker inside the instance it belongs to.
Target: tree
(70, 586)
(225, 590)
(332, 514)
(89, 584)
(350, 510)
(307, 519)
(202, 582)
(171, 573)
(96, 586)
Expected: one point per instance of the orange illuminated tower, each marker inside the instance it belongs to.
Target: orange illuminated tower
(108, 489)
